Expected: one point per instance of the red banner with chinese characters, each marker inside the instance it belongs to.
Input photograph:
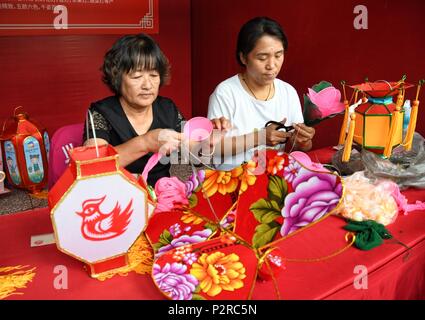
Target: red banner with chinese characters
(66, 17)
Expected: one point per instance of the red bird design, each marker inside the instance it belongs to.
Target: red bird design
(99, 226)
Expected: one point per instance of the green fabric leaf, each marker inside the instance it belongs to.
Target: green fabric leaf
(210, 226)
(369, 234)
(193, 201)
(264, 234)
(165, 237)
(265, 211)
(157, 246)
(277, 190)
(321, 85)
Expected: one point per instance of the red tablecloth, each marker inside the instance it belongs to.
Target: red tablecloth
(389, 276)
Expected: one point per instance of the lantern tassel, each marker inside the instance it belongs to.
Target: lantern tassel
(13, 278)
(412, 125)
(140, 260)
(349, 140)
(413, 118)
(394, 126)
(343, 131)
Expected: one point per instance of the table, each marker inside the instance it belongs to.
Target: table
(389, 276)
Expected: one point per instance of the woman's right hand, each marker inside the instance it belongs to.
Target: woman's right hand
(163, 141)
(275, 137)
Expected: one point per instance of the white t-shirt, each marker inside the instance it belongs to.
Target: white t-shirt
(230, 100)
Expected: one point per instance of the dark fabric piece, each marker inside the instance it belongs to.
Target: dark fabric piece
(112, 125)
(369, 234)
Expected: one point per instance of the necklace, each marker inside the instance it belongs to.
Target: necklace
(249, 88)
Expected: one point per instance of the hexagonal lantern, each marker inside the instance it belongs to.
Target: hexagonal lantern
(373, 124)
(377, 121)
(98, 209)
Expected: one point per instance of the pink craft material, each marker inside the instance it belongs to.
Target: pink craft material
(305, 160)
(150, 164)
(328, 100)
(196, 129)
(402, 201)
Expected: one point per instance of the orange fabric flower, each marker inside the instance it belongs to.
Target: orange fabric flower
(275, 165)
(248, 177)
(217, 272)
(188, 217)
(222, 181)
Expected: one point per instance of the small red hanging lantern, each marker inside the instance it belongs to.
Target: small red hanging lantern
(2, 176)
(25, 145)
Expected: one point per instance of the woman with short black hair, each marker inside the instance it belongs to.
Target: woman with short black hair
(255, 96)
(136, 120)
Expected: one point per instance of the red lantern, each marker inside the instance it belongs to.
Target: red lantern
(25, 146)
(2, 176)
(98, 210)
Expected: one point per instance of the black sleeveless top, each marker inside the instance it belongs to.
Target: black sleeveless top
(112, 125)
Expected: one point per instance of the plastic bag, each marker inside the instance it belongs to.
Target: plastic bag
(406, 168)
(367, 199)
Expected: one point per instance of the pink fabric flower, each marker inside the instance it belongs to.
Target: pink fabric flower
(170, 193)
(314, 195)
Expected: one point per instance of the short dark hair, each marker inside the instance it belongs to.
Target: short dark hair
(253, 30)
(130, 53)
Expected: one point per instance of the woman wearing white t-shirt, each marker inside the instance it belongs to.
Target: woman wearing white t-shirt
(252, 98)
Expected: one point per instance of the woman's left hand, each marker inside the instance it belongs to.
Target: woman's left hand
(303, 136)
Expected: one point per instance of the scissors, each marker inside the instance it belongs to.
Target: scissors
(279, 125)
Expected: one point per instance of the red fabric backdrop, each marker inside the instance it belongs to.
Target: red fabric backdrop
(55, 78)
(323, 45)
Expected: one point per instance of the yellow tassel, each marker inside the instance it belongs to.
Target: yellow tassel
(141, 256)
(18, 279)
(140, 260)
(349, 141)
(344, 124)
(412, 125)
(393, 131)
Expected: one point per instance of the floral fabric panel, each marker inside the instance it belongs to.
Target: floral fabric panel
(286, 198)
(218, 269)
(169, 230)
(183, 214)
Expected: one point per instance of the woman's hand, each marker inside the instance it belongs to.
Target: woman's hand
(302, 137)
(275, 137)
(163, 141)
(221, 124)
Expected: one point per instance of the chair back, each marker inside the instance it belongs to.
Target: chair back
(63, 140)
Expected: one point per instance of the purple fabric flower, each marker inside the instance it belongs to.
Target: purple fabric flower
(197, 236)
(291, 170)
(227, 222)
(314, 195)
(192, 183)
(174, 281)
(190, 258)
(175, 230)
